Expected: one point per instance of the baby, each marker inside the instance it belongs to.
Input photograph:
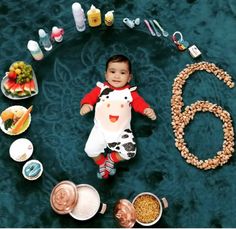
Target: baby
(114, 100)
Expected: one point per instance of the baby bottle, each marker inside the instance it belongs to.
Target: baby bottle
(44, 40)
(79, 17)
(35, 50)
(109, 18)
(94, 16)
(57, 34)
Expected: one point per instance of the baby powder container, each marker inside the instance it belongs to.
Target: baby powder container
(82, 201)
(35, 50)
(109, 18)
(94, 16)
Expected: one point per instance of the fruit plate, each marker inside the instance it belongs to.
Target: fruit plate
(16, 97)
(23, 128)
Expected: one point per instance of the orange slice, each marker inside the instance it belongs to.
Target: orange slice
(5, 115)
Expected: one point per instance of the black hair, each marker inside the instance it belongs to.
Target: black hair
(119, 58)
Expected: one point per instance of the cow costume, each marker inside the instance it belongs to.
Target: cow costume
(112, 119)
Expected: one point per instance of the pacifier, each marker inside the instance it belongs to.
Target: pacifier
(131, 23)
(180, 43)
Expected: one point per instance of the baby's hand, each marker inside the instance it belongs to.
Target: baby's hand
(86, 108)
(150, 113)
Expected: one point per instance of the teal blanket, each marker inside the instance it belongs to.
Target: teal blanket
(197, 198)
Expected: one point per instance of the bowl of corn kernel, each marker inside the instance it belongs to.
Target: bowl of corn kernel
(148, 208)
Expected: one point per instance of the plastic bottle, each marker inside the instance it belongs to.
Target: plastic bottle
(35, 50)
(109, 18)
(94, 16)
(57, 34)
(44, 40)
(79, 16)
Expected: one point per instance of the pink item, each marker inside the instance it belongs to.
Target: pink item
(57, 34)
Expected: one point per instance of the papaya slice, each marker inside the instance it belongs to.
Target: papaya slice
(19, 124)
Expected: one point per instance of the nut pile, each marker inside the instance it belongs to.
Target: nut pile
(181, 119)
(147, 208)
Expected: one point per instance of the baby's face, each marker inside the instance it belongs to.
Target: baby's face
(117, 74)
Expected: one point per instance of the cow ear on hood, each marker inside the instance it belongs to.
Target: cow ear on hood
(133, 88)
(99, 84)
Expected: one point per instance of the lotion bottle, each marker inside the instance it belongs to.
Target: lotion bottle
(94, 17)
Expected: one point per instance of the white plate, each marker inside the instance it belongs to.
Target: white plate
(15, 97)
(25, 126)
(21, 149)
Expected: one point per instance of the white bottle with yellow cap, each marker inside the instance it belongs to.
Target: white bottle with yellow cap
(109, 18)
(94, 16)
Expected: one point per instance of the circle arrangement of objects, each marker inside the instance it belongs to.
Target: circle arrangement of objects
(32, 170)
(21, 149)
(181, 119)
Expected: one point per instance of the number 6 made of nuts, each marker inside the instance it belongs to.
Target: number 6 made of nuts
(181, 119)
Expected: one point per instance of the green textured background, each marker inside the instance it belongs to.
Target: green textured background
(196, 198)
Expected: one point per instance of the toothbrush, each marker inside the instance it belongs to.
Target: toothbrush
(153, 26)
(164, 33)
(149, 27)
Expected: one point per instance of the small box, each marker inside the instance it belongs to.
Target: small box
(194, 51)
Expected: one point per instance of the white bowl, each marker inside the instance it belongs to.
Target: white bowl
(21, 149)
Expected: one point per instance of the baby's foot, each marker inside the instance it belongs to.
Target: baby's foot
(110, 166)
(112, 172)
(102, 173)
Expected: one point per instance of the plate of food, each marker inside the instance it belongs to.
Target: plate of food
(20, 82)
(15, 119)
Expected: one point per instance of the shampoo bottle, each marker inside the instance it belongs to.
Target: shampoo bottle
(94, 17)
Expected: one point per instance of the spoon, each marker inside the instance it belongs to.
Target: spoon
(154, 28)
(149, 27)
(164, 33)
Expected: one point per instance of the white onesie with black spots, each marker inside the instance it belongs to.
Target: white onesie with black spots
(112, 124)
